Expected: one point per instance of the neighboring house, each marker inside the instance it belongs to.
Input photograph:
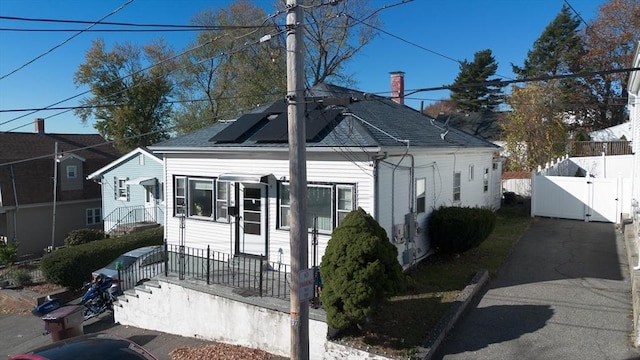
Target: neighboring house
(230, 181)
(613, 133)
(132, 188)
(31, 212)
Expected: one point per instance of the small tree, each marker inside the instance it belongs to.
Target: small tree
(359, 269)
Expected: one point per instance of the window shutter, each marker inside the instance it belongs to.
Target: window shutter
(128, 190)
(115, 188)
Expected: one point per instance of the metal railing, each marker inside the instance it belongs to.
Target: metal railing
(121, 220)
(30, 267)
(252, 274)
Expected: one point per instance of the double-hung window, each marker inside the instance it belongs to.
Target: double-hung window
(94, 216)
(456, 186)
(72, 171)
(485, 180)
(121, 189)
(203, 198)
(421, 197)
(180, 195)
(329, 203)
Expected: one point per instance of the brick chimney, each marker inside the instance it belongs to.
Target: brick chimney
(39, 125)
(397, 86)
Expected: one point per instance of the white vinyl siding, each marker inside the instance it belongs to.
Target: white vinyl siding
(321, 168)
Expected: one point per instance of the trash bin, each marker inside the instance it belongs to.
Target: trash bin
(65, 322)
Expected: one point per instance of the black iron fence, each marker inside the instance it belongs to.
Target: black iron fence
(251, 275)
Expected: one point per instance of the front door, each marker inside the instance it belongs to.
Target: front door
(150, 203)
(253, 219)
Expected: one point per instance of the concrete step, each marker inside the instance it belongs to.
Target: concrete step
(131, 292)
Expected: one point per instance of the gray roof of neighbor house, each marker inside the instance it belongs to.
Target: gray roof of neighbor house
(486, 124)
(364, 121)
(26, 160)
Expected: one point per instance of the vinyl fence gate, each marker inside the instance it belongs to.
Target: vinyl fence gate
(580, 198)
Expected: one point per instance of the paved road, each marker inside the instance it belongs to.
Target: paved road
(564, 293)
(21, 333)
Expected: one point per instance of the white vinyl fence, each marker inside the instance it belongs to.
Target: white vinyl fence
(603, 196)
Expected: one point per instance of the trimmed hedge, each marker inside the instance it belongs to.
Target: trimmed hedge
(83, 236)
(72, 266)
(454, 230)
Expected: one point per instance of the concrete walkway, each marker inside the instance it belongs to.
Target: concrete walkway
(564, 293)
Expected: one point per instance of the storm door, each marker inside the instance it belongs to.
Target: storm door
(253, 219)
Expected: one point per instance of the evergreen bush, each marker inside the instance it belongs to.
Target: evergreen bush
(454, 230)
(359, 269)
(72, 266)
(8, 253)
(83, 236)
(21, 277)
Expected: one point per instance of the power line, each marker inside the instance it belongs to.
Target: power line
(503, 83)
(151, 66)
(65, 41)
(170, 26)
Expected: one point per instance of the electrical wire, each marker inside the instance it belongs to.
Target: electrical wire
(65, 41)
(153, 65)
(171, 26)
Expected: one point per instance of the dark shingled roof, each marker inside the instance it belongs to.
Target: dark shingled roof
(367, 121)
(30, 156)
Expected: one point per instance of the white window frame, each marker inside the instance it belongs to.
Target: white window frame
(122, 189)
(485, 180)
(457, 189)
(180, 210)
(283, 221)
(471, 171)
(72, 171)
(421, 195)
(93, 216)
(219, 207)
(341, 213)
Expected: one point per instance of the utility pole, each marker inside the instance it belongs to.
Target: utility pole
(55, 194)
(299, 310)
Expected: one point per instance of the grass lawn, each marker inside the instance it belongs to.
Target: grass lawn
(405, 321)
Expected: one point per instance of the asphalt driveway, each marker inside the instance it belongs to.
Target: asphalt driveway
(564, 293)
(21, 333)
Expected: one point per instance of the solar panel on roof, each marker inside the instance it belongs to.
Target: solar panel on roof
(318, 120)
(275, 130)
(237, 128)
(246, 122)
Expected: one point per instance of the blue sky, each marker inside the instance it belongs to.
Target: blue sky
(452, 29)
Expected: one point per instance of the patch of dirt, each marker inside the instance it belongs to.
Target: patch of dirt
(220, 352)
(19, 302)
(15, 305)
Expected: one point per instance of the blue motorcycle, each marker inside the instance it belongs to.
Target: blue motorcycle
(100, 295)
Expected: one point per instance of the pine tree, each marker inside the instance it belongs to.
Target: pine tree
(558, 51)
(476, 98)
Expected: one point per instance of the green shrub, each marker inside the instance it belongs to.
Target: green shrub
(359, 269)
(83, 236)
(8, 253)
(454, 230)
(21, 277)
(72, 266)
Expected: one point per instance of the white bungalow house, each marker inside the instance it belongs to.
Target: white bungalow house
(230, 181)
(132, 192)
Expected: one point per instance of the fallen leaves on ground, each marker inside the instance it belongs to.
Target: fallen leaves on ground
(219, 352)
